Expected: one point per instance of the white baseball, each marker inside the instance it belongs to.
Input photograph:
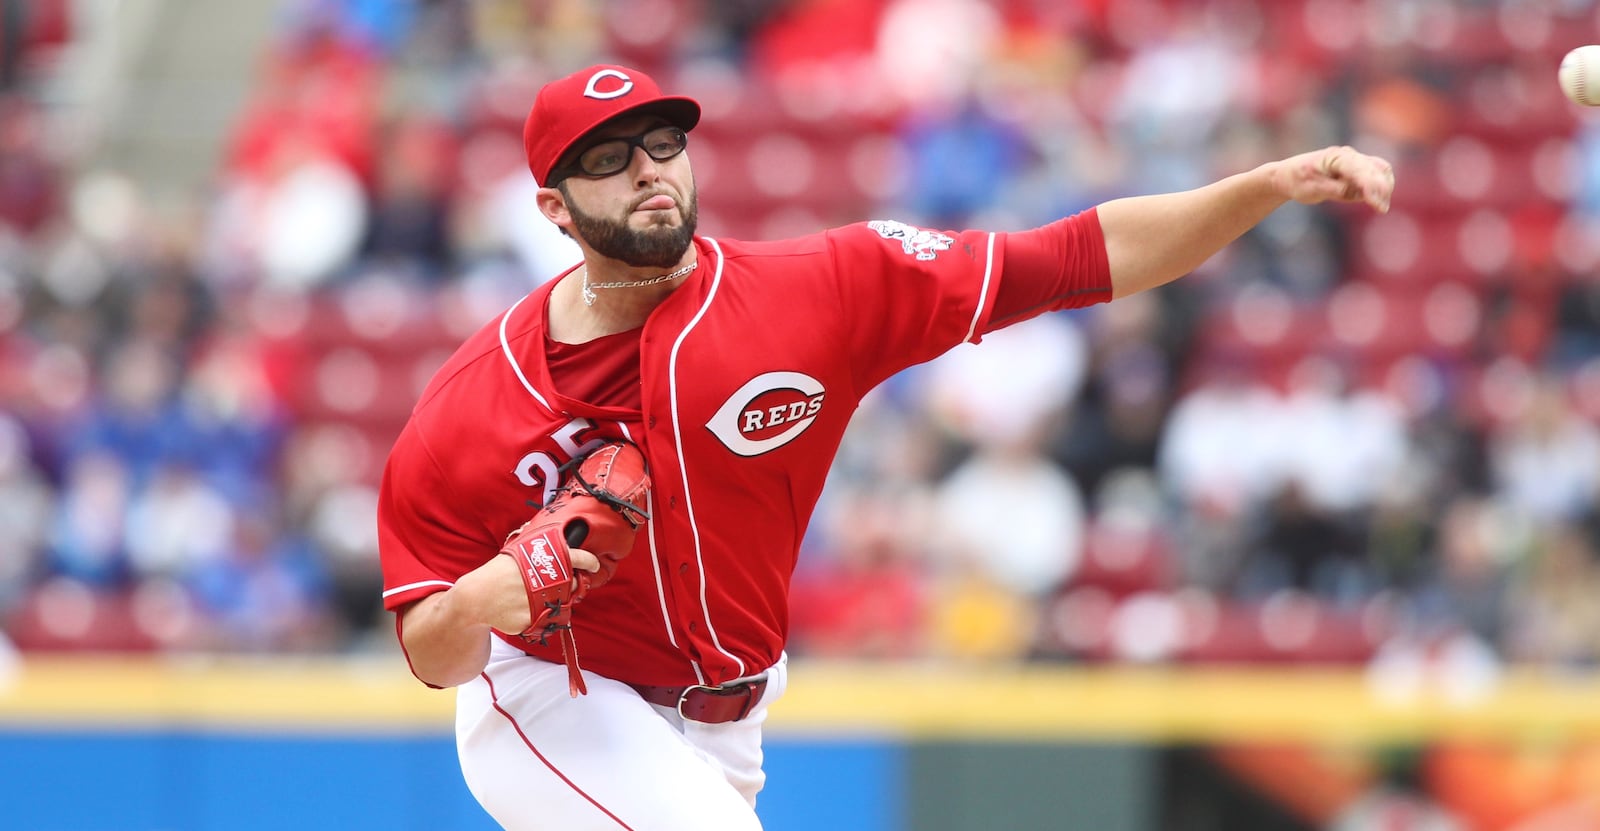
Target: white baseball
(1580, 75)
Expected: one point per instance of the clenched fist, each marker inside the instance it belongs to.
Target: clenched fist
(1341, 174)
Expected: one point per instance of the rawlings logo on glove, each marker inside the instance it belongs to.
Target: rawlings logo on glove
(545, 563)
(599, 509)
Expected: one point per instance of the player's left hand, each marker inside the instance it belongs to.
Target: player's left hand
(599, 507)
(1340, 174)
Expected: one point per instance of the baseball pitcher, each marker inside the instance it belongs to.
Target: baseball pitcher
(589, 524)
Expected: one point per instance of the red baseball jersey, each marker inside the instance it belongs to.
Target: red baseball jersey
(751, 371)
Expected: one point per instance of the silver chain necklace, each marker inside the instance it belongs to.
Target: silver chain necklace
(588, 288)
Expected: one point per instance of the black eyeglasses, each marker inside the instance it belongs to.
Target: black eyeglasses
(612, 156)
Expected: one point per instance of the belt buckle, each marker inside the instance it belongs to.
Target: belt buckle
(722, 690)
(685, 697)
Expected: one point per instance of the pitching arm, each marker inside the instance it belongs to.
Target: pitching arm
(1153, 240)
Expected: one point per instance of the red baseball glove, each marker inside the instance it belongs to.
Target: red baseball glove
(599, 508)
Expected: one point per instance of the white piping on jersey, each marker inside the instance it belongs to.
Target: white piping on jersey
(409, 586)
(505, 346)
(683, 465)
(983, 293)
(655, 562)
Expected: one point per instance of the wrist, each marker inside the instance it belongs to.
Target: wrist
(1276, 180)
(466, 605)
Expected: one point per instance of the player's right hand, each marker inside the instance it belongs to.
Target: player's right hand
(1341, 174)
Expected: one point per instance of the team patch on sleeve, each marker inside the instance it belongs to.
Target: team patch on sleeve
(921, 243)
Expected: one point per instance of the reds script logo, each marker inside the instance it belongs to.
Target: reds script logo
(913, 240)
(768, 412)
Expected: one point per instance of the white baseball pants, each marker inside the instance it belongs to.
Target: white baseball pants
(537, 758)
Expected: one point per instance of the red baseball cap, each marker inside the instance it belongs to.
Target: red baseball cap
(568, 108)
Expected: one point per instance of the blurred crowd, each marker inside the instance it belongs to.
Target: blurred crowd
(1357, 439)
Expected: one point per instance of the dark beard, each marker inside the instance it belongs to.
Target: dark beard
(658, 247)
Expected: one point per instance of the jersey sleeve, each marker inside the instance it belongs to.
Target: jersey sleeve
(910, 294)
(424, 541)
(1062, 265)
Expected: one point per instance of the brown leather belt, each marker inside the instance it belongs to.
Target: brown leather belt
(708, 704)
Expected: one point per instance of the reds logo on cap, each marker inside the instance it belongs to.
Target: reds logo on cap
(592, 89)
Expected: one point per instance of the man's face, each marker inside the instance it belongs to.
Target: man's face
(644, 215)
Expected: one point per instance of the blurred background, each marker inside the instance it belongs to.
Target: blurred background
(237, 238)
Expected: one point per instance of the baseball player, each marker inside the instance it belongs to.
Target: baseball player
(622, 683)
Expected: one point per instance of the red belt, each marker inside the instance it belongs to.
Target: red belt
(708, 704)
